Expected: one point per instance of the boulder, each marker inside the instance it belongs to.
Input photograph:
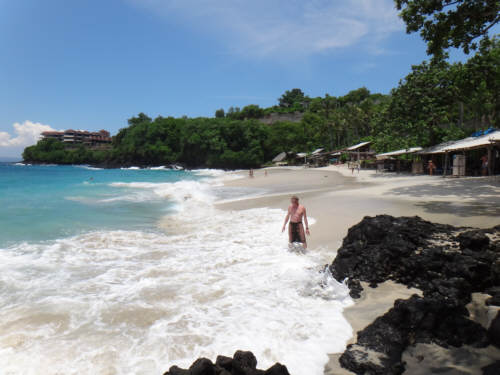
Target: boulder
(174, 370)
(244, 359)
(473, 239)
(277, 369)
(242, 363)
(494, 330)
(492, 369)
(202, 366)
(224, 362)
(448, 264)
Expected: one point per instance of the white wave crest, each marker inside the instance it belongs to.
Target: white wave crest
(184, 192)
(89, 167)
(209, 172)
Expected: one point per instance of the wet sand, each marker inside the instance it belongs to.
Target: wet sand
(337, 200)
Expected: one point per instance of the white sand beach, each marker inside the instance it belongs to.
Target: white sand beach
(338, 199)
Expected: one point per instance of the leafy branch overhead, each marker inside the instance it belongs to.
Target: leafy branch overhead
(450, 23)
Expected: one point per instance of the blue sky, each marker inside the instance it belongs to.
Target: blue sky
(89, 64)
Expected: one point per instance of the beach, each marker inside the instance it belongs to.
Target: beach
(337, 199)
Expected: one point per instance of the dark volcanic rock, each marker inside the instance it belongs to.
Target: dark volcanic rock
(242, 363)
(417, 253)
(174, 370)
(474, 240)
(493, 369)
(202, 366)
(494, 330)
(277, 369)
(224, 362)
(495, 296)
(446, 263)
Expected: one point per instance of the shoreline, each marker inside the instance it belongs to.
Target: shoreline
(338, 200)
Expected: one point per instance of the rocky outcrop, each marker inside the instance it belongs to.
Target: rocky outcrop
(242, 363)
(280, 117)
(447, 263)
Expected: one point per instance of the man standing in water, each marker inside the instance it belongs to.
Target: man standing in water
(296, 229)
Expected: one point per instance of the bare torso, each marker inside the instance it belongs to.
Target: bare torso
(296, 213)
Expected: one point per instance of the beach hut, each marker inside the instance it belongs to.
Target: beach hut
(391, 161)
(317, 151)
(318, 158)
(280, 159)
(301, 157)
(362, 147)
(360, 151)
(473, 155)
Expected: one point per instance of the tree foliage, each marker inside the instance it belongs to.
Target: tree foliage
(449, 23)
(220, 113)
(439, 101)
(293, 99)
(53, 151)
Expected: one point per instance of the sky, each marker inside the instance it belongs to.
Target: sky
(92, 64)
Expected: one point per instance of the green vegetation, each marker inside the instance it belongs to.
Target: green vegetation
(436, 101)
(439, 101)
(54, 151)
(450, 23)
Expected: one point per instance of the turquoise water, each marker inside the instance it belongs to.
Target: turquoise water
(49, 202)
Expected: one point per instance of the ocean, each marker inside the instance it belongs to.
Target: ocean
(131, 271)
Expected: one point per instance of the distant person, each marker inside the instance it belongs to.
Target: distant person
(484, 165)
(295, 214)
(265, 173)
(431, 167)
(250, 173)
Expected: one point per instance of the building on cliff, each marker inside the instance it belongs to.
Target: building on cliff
(275, 117)
(73, 137)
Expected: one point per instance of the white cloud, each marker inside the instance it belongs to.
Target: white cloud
(264, 28)
(25, 134)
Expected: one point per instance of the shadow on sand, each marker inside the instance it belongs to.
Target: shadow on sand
(462, 209)
(469, 197)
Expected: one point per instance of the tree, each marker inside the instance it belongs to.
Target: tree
(356, 96)
(292, 98)
(422, 109)
(220, 113)
(141, 117)
(449, 23)
(480, 86)
(233, 112)
(251, 111)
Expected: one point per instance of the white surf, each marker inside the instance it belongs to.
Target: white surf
(205, 282)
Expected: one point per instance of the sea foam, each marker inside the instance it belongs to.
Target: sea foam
(205, 282)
